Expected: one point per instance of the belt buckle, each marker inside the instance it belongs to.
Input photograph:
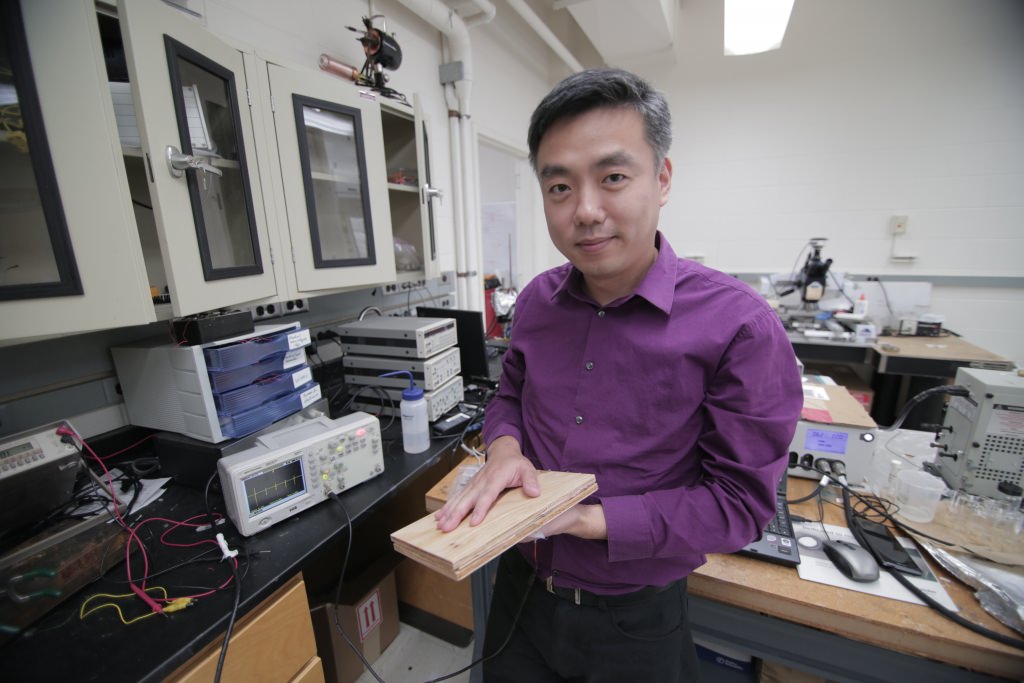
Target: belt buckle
(550, 586)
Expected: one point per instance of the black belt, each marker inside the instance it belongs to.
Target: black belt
(580, 596)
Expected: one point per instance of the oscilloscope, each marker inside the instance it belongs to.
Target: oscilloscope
(293, 469)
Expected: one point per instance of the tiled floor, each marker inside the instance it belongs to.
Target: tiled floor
(416, 657)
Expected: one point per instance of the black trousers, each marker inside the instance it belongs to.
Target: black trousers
(646, 640)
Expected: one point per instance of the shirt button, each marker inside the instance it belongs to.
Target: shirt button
(590, 366)
(600, 314)
(579, 419)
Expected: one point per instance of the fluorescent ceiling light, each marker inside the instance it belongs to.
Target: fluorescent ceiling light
(753, 26)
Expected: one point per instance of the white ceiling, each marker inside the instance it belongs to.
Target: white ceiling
(623, 31)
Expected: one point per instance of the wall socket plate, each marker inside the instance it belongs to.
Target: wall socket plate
(898, 224)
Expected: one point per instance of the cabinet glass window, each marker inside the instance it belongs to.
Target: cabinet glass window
(36, 259)
(210, 126)
(334, 175)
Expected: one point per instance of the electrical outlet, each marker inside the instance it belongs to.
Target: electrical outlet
(265, 311)
(899, 225)
(276, 309)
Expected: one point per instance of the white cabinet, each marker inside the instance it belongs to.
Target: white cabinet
(248, 180)
(70, 258)
(198, 147)
(411, 194)
(327, 175)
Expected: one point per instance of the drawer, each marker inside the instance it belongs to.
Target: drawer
(271, 644)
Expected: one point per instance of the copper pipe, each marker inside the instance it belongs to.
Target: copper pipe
(331, 65)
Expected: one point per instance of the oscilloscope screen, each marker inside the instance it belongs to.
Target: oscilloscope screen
(273, 487)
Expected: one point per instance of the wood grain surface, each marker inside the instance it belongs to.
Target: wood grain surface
(513, 517)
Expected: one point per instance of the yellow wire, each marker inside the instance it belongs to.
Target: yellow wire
(83, 613)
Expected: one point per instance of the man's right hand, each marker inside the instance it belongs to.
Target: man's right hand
(506, 468)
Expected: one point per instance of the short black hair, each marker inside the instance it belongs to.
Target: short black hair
(605, 87)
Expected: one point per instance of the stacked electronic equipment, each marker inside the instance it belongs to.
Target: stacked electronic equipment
(980, 445)
(426, 347)
(219, 390)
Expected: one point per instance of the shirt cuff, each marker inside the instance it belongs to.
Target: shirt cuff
(629, 533)
(502, 430)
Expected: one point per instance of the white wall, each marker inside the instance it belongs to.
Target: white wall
(871, 108)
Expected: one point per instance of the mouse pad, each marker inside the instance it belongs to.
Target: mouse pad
(815, 566)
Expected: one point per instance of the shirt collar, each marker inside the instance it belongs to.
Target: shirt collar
(657, 287)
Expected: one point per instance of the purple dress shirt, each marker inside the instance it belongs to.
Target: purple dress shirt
(682, 399)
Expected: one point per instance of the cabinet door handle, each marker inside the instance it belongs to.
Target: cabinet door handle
(178, 163)
(430, 193)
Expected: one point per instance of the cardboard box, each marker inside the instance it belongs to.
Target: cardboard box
(435, 594)
(844, 376)
(368, 613)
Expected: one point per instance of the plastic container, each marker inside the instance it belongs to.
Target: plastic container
(860, 307)
(918, 494)
(413, 407)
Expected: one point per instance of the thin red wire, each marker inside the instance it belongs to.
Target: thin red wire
(67, 430)
(126, 448)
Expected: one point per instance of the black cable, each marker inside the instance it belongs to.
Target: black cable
(909, 585)
(504, 644)
(386, 401)
(813, 494)
(840, 288)
(952, 390)
(881, 512)
(337, 591)
(885, 295)
(231, 619)
(206, 499)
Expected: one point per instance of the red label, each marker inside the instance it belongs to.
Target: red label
(369, 614)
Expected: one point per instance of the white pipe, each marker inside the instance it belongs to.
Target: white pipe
(464, 202)
(474, 278)
(454, 150)
(541, 29)
(487, 13)
(458, 211)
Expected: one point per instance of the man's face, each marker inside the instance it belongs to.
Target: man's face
(602, 196)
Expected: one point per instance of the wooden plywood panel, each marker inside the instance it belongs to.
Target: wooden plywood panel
(513, 517)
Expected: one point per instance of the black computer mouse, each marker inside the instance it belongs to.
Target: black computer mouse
(852, 560)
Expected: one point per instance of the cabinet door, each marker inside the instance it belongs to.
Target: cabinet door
(193, 106)
(331, 154)
(70, 259)
(429, 194)
(411, 193)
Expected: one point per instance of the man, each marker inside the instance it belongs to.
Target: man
(671, 382)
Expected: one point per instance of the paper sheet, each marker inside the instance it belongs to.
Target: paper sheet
(815, 566)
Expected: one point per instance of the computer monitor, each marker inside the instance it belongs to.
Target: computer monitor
(472, 345)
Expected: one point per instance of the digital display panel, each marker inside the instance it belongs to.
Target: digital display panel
(15, 450)
(826, 441)
(272, 487)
